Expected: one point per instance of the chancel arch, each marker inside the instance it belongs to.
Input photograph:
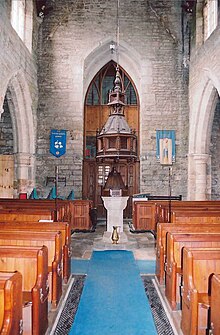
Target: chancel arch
(96, 112)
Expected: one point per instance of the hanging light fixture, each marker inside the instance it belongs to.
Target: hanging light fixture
(116, 141)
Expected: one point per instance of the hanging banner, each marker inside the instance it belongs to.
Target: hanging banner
(57, 142)
(165, 150)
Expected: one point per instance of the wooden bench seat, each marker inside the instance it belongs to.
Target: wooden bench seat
(32, 263)
(146, 214)
(26, 215)
(63, 227)
(195, 216)
(199, 264)
(166, 206)
(164, 228)
(75, 212)
(53, 241)
(62, 208)
(173, 267)
(11, 321)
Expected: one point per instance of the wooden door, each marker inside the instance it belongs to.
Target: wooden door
(95, 175)
(6, 176)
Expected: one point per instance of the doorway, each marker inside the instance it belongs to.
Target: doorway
(96, 113)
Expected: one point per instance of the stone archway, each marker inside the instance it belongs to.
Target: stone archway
(20, 107)
(204, 95)
(93, 63)
(128, 59)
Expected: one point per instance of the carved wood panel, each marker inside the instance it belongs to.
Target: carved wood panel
(95, 175)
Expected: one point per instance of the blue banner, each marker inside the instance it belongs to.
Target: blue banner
(57, 142)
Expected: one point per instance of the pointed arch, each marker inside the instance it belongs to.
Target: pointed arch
(101, 55)
(202, 118)
(204, 97)
(96, 113)
(20, 105)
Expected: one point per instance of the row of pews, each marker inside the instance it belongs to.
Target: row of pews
(188, 263)
(147, 214)
(35, 259)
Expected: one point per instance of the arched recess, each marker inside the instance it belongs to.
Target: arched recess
(96, 112)
(19, 102)
(128, 59)
(201, 121)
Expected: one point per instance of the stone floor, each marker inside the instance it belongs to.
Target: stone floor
(142, 245)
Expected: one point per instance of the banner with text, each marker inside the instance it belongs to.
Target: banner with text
(57, 142)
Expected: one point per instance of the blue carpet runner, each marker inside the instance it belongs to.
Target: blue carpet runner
(80, 266)
(113, 300)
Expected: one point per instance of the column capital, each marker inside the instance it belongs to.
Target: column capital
(23, 158)
(200, 157)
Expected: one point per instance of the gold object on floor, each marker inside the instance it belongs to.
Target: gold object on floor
(115, 235)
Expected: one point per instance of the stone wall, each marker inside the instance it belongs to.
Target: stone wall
(6, 131)
(74, 44)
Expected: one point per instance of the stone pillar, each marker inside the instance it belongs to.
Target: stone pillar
(201, 176)
(24, 172)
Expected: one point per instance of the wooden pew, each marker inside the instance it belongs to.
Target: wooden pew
(198, 265)
(32, 263)
(63, 227)
(25, 215)
(164, 228)
(214, 324)
(173, 268)
(53, 241)
(165, 207)
(196, 216)
(80, 214)
(76, 212)
(144, 215)
(10, 303)
(62, 207)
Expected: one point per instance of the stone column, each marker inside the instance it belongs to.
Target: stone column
(24, 172)
(201, 176)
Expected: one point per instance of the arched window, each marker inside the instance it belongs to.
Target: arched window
(104, 82)
(210, 16)
(97, 109)
(22, 20)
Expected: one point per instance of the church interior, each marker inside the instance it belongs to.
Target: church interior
(109, 167)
